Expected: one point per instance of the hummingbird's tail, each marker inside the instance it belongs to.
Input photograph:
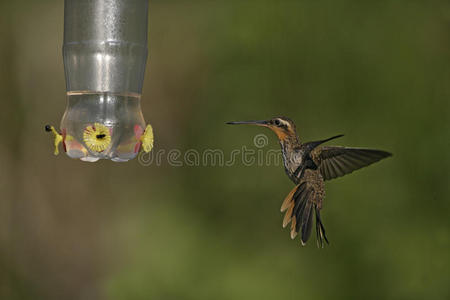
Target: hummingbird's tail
(300, 206)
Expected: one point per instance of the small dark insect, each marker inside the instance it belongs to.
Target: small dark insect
(100, 136)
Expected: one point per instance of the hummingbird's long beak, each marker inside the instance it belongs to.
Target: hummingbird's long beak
(257, 123)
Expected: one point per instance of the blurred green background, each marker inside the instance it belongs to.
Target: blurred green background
(377, 71)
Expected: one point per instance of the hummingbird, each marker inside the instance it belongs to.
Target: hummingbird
(309, 165)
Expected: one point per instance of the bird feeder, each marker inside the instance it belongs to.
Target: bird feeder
(105, 53)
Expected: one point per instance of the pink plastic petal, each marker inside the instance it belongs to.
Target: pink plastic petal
(63, 133)
(137, 147)
(138, 131)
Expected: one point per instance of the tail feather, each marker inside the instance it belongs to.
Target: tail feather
(307, 223)
(300, 203)
(299, 214)
(288, 200)
(303, 203)
(288, 216)
(293, 226)
(320, 230)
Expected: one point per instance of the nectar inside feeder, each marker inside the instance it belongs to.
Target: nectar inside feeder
(105, 53)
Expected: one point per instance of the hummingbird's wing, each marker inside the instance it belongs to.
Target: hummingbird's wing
(301, 204)
(337, 161)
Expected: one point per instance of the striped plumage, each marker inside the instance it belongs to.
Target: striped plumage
(308, 165)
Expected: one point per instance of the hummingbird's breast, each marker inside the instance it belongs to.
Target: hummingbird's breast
(292, 159)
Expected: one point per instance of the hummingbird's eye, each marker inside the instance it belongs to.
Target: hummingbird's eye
(277, 122)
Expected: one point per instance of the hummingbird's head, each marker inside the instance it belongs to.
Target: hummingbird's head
(283, 127)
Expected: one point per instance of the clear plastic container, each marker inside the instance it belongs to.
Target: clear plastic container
(85, 116)
(105, 53)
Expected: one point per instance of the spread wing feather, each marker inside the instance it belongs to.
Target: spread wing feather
(337, 161)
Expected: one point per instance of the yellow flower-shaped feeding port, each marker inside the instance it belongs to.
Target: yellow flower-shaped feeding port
(147, 139)
(58, 137)
(97, 137)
